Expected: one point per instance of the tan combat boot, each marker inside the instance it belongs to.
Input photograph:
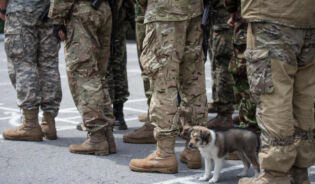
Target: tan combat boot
(221, 121)
(28, 131)
(110, 139)
(163, 160)
(191, 157)
(48, 126)
(299, 175)
(142, 135)
(211, 108)
(143, 117)
(96, 144)
(265, 178)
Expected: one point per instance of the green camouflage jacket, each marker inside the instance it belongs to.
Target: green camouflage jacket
(172, 10)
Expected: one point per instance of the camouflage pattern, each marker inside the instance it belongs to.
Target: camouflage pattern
(220, 55)
(31, 9)
(32, 54)
(280, 69)
(295, 14)
(173, 59)
(237, 67)
(117, 66)
(169, 10)
(140, 34)
(87, 59)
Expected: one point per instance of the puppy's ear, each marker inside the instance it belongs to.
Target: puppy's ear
(187, 131)
(205, 137)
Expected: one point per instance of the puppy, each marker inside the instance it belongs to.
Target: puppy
(214, 146)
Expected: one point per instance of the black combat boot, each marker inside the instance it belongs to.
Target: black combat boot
(119, 123)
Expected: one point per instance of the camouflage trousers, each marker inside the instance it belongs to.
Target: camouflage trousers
(87, 60)
(117, 67)
(237, 67)
(173, 59)
(32, 53)
(140, 34)
(221, 55)
(280, 69)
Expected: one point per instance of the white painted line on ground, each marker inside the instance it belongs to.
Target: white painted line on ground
(65, 128)
(136, 100)
(5, 84)
(9, 109)
(134, 71)
(5, 118)
(187, 180)
(135, 110)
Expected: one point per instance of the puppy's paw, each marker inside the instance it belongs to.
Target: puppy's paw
(204, 178)
(213, 180)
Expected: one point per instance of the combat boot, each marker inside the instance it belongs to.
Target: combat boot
(143, 117)
(110, 139)
(265, 178)
(191, 157)
(119, 123)
(96, 144)
(299, 175)
(49, 126)
(142, 135)
(28, 131)
(221, 121)
(163, 160)
(212, 108)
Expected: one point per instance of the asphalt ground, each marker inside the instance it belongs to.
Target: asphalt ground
(51, 162)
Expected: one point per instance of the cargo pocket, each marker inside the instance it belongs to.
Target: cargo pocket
(259, 71)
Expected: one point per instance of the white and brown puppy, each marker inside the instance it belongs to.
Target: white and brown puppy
(215, 145)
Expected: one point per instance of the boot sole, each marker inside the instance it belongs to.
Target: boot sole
(191, 165)
(137, 141)
(23, 138)
(99, 153)
(159, 170)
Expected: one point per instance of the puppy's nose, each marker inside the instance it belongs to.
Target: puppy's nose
(190, 145)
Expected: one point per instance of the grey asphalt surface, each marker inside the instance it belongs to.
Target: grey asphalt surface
(50, 162)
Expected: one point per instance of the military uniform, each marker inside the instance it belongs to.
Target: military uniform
(140, 34)
(172, 57)
(280, 68)
(144, 134)
(237, 67)
(86, 61)
(117, 68)
(32, 53)
(221, 52)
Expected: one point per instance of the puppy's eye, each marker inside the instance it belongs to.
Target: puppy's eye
(197, 139)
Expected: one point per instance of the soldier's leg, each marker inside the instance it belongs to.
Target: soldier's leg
(222, 88)
(119, 72)
(273, 50)
(304, 112)
(144, 134)
(86, 69)
(49, 78)
(21, 45)
(140, 34)
(162, 64)
(193, 109)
